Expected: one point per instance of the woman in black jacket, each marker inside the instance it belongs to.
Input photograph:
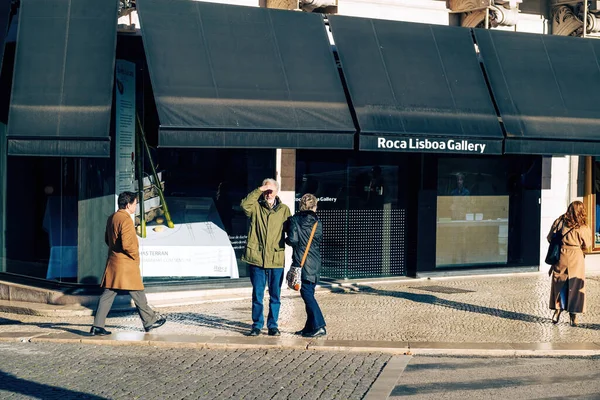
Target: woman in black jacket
(299, 228)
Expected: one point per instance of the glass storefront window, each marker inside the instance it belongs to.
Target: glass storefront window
(58, 206)
(362, 204)
(42, 217)
(203, 189)
(472, 213)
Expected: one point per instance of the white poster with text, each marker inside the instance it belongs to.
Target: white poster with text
(125, 126)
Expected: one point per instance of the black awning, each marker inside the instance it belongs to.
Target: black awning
(416, 87)
(231, 76)
(5, 10)
(547, 89)
(63, 78)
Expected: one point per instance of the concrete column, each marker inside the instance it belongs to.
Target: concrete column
(556, 199)
(285, 167)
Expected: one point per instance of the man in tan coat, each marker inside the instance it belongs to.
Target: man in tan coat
(123, 268)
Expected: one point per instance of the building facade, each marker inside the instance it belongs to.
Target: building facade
(439, 136)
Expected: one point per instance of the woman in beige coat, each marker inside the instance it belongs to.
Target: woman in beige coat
(568, 275)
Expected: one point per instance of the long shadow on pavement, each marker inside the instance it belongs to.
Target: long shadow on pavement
(58, 326)
(11, 383)
(457, 305)
(208, 321)
(194, 319)
(483, 384)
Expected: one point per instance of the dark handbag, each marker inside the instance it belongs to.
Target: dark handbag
(293, 275)
(553, 254)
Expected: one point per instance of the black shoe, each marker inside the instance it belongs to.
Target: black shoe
(274, 332)
(316, 333)
(556, 316)
(97, 331)
(301, 332)
(254, 332)
(159, 322)
(573, 319)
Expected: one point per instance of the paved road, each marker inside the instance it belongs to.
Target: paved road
(489, 309)
(69, 371)
(499, 378)
(74, 371)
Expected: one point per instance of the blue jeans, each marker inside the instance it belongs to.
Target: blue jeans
(260, 278)
(564, 296)
(314, 316)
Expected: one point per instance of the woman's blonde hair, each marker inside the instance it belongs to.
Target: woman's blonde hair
(576, 215)
(308, 202)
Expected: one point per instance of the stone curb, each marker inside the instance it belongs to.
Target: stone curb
(243, 342)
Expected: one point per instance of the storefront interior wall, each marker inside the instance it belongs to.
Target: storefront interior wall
(495, 222)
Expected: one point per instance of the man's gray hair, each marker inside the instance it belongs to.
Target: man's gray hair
(271, 181)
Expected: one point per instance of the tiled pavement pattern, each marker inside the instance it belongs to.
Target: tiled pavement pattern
(29, 370)
(464, 378)
(489, 309)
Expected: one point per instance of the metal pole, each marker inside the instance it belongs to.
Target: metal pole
(585, 15)
(155, 175)
(139, 166)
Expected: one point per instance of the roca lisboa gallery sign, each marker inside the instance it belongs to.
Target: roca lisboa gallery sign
(433, 145)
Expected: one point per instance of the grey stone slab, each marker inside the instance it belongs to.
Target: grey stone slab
(453, 345)
(28, 294)
(4, 291)
(16, 336)
(386, 381)
(555, 346)
(178, 340)
(245, 342)
(63, 337)
(445, 348)
(118, 339)
(359, 345)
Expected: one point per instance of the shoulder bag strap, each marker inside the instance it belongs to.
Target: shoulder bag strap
(308, 244)
(569, 231)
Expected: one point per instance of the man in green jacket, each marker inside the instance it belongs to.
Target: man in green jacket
(265, 252)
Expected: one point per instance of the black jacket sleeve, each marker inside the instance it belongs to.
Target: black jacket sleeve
(292, 232)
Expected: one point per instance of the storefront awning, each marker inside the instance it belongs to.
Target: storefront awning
(231, 76)
(5, 9)
(63, 79)
(416, 87)
(547, 89)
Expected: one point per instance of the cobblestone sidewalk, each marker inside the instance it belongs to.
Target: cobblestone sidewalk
(490, 309)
